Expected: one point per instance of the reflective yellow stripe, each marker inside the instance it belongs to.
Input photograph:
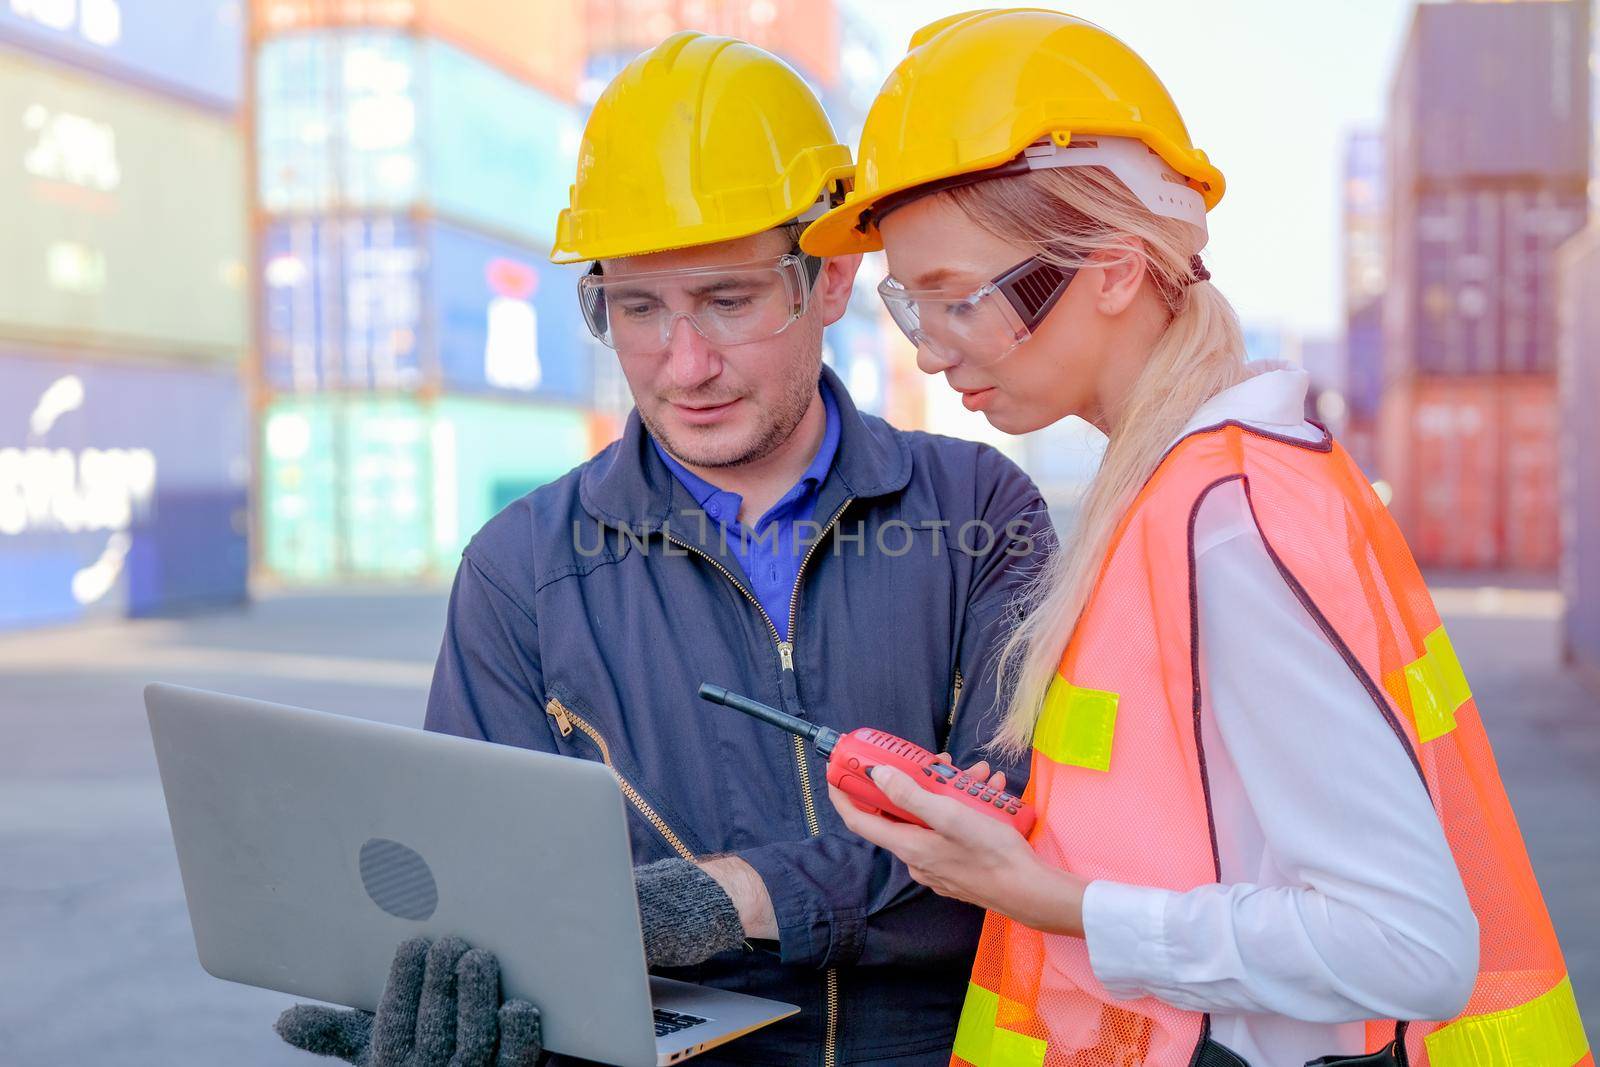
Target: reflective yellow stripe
(983, 1044)
(1076, 725)
(1436, 686)
(1545, 1032)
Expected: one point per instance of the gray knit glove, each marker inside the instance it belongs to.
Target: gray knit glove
(687, 917)
(440, 1008)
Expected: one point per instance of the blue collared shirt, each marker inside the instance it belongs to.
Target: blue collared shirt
(770, 553)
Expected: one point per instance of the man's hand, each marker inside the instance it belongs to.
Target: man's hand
(749, 894)
(440, 1008)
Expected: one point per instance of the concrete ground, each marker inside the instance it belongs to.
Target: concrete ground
(97, 962)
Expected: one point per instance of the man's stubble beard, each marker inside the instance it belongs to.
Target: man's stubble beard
(790, 409)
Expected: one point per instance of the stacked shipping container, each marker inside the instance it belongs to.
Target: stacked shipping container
(123, 309)
(1580, 451)
(1487, 158)
(1579, 376)
(1364, 248)
(422, 363)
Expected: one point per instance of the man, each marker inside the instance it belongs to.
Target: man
(751, 529)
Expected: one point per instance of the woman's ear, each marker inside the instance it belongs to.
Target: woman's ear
(832, 293)
(1122, 272)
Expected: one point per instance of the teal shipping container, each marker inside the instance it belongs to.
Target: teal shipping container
(394, 487)
(383, 120)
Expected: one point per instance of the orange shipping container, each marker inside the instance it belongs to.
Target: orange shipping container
(603, 429)
(804, 32)
(1473, 465)
(542, 42)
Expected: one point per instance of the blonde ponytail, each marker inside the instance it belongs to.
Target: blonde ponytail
(1067, 216)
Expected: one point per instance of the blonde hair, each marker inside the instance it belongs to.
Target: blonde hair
(1065, 216)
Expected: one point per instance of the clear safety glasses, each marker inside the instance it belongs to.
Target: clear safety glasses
(985, 325)
(733, 304)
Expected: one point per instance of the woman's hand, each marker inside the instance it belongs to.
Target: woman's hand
(968, 856)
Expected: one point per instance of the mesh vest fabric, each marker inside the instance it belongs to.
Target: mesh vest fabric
(1119, 773)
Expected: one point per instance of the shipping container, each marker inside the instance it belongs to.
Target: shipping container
(604, 429)
(394, 487)
(126, 218)
(191, 48)
(382, 120)
(386, 303)
(1491, 91)
(1363, 359)
(805, 33)
(342, 304)
(1472, 463)
(1531, 496)
(1580, 451)
(1473, 289)
(539, 42)
(1359, 437)
(906, 405)
(505, 318)
(854, 347)
(1365, 219)
(123, 488)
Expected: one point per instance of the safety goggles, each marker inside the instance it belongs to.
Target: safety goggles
(726, 304)
(985, 325)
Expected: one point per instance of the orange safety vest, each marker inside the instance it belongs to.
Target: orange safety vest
(1119, 772)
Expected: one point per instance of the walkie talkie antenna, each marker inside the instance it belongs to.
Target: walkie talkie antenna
(820, 736)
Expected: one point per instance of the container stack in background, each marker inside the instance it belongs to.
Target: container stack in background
(1487, 148)
(1579, 386)
(1363, 250)
(421, 362)
(124, 455)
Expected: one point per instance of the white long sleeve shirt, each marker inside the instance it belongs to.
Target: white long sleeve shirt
(1339, 899)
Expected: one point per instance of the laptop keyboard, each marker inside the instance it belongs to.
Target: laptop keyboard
(670, 1022)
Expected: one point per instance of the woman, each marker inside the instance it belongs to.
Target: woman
(1269, 826)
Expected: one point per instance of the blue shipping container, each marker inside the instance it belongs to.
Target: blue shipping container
(854, 347)
(122, 489)
(384, 303)
(343, 301)
(194, 48)
(505, 318)
(380, 120)
(1363, 353)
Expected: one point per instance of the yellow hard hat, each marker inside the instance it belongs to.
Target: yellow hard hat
(701, 139)
(978, 90)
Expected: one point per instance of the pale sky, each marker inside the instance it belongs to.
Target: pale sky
(1268, 88)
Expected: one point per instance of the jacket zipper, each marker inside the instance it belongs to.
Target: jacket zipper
(830, 1041)
(955, 701)
(830, 979)
(565, 721)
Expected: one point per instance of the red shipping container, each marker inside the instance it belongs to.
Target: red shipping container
(1472, 462)
(1531, 492)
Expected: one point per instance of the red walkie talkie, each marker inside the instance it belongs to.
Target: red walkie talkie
(850, 756)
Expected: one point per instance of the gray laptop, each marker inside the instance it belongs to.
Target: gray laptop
(311, 845)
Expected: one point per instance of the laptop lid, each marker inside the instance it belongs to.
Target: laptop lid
(312, 844)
